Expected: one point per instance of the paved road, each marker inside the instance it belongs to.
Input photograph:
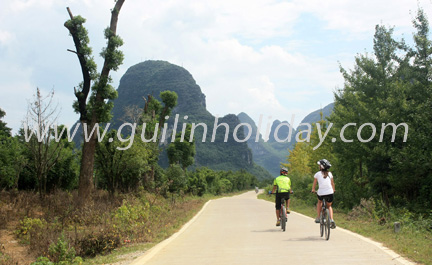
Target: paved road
(241, 230)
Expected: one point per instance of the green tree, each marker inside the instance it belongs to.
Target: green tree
(391, 86)
(12, 158)
(197, 183)
(298, 159)
(94, 109)
(153, 119)
(64, 174)
(182, 151)
(177, 181)
(119, 167)
(4, 130)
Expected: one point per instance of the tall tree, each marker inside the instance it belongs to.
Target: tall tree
(94, 109)
(367, 97)
(154, 117)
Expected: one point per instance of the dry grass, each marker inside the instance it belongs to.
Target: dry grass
(102, 225)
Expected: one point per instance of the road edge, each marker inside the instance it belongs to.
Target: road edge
(154, 250)
(387, 250)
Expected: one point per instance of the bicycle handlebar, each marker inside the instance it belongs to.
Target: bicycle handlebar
(291, 192)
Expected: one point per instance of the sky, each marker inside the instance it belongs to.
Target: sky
(262, 57)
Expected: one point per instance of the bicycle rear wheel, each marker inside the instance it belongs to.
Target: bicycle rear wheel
(283, 218)
(327, 224)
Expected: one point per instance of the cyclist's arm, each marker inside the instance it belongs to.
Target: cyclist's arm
(290, 186)
(314, 184)
(274, 188)
(333, 185)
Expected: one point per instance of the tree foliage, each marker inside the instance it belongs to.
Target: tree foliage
(182, 150)
(371, 157)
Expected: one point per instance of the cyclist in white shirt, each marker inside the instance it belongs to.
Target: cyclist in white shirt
(326, 189)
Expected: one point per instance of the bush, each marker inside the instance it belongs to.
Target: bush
(60, 253)
(131, 215)
(365, 210)
(101, 243)
(29, 227)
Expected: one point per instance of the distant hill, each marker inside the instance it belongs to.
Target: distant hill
(152, 77)
(272, 153)
(316, 116)
(268, 154)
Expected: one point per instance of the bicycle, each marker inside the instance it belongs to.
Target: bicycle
(283, 216)
(325, 220)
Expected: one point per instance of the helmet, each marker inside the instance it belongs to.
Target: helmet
(284, 169)
(324, 163)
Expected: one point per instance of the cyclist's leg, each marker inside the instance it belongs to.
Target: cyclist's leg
(287, 201)
(329, 200)
(319, 206)
(329, 206)
(278, 202)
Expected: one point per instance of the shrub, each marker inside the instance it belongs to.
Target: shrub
(29, 227)
(131, 215)
(365, 210)
(60, 253)
(102, 243)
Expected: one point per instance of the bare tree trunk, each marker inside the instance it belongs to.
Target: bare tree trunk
(85, 185)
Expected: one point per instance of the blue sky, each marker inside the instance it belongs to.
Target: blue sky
(262, 57)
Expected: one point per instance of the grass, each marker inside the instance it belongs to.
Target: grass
(113, 229)
(178, 215)
(412, 242)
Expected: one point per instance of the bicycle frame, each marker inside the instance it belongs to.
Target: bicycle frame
(325, 220)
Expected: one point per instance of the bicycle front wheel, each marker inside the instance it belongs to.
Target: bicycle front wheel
(327, 224)
(321, 224)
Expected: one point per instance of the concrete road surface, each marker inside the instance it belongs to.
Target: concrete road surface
(241, 230)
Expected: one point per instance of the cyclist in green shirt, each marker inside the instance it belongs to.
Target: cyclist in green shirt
(283, 186)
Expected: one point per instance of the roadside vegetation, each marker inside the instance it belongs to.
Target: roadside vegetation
(382, 170)
(371, 219)
(58, 231)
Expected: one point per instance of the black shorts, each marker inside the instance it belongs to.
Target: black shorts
(279, 196)
(328, 197)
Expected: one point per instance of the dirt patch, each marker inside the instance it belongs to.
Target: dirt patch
(10, 246)
(128, 258)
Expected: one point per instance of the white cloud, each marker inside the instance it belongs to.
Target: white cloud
(5, 37)
(357, 19)
(249, 56)
(20, 5)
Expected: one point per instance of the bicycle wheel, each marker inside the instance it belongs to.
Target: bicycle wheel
(321, 224)
(327, 224)
(283, 218)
